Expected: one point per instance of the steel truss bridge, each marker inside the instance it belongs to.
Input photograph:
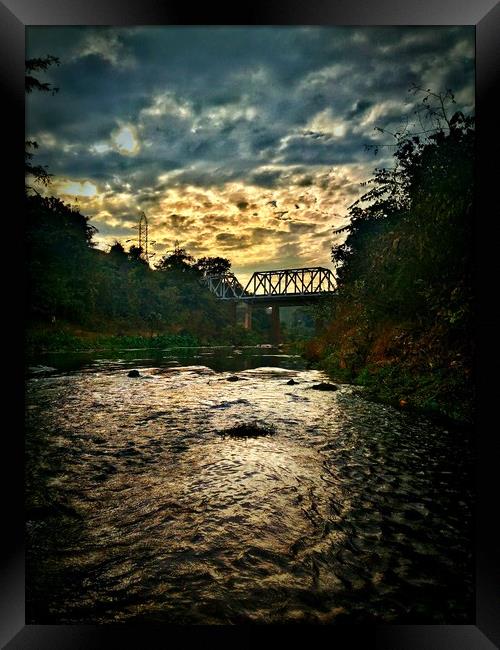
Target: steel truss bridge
(292, 286)
(283, 287)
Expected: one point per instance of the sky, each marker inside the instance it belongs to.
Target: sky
(241, 142)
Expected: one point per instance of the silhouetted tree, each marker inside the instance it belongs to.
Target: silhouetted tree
(136, 254)
(212, 265)
(178, 260)
(59, 243)
(32, 83)
(117, 249)
(38, 172)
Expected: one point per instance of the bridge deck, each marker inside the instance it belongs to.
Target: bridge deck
(286, 300)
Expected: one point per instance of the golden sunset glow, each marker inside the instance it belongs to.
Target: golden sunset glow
(255, 156)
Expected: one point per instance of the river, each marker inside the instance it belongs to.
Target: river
(139, 510)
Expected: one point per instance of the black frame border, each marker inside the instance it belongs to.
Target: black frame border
(15, 15)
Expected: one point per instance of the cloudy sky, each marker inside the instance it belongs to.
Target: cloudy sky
(244, 142)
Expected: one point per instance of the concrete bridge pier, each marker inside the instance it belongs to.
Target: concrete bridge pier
(232, 311)
(247, 323)
(275, 319)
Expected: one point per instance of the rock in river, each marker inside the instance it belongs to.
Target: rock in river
(249, 430)
(134, 373)
(324, 386)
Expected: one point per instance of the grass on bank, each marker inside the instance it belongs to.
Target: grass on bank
(440, 393)
(67, 338)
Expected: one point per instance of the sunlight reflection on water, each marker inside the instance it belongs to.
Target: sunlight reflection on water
(141, 511)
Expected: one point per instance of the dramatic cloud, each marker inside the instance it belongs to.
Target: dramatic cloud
(242, 142)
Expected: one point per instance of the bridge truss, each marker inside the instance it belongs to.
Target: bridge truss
(279, 284)
(225, 286)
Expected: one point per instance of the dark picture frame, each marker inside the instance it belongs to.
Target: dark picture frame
(15, 15)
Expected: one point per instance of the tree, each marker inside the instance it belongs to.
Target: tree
(433, 164)
(178, 260)
(401, 321)
(31, 83)
(136, 254)
(59, 243)
(212, 265)
(118, 255)
(38, 172)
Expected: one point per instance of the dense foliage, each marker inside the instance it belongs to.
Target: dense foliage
(74, 286)
(402, 320)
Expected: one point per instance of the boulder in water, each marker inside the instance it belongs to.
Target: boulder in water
(249, 430)
(134, 373)
(235, 378)
(324, 386)
(292, 382)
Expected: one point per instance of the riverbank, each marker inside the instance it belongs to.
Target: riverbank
(440, 391)
(68, 338)
(62, 340)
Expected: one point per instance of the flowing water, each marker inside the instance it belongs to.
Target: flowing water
(139, 510)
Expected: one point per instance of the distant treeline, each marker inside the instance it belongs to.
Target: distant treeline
(402, 321)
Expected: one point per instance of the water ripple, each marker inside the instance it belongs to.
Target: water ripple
(139, 511)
